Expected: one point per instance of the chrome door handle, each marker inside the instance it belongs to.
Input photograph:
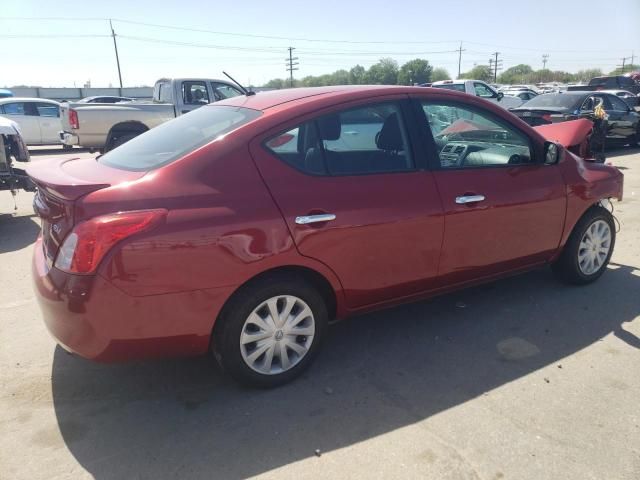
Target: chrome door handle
(469, 199)
(325, 217)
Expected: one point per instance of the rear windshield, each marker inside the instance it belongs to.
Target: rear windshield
(451, 86)
(174, 139)
(555, 100)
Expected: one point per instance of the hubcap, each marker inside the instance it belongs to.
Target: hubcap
(594, 247)
(277, 334)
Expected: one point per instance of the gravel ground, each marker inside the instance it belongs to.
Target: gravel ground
(521, 379)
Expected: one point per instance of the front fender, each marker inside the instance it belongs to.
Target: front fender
(587, 183)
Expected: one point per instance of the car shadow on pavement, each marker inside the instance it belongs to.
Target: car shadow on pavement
(376, 373)
(622, 152)
(17, 232)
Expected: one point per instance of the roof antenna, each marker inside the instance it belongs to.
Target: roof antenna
(244, 90)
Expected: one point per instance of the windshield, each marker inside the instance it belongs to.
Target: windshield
(172, 140)
(555, 100)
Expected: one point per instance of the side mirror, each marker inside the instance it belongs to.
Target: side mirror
(500, 96)
(551, 153)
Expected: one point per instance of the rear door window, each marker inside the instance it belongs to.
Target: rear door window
(617, 104)
(364, 140)
(48, 110)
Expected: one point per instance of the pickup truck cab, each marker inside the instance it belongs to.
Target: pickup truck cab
(480, 89)
(613, 82)
(104, 126)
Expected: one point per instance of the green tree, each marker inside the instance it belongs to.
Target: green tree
(385, 72)
(627, 68)
(518, 74)
(277, 83)
(415, 71)
(439, 74)
(357, 75)
(339, 77)
(479, 72)
(588, 74)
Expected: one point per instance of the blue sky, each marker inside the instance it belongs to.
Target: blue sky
(327, 35)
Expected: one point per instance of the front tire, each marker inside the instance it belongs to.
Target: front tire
(270, 332)
(587, 252)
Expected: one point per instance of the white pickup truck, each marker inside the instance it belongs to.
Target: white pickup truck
(480, 89)
(104, 126)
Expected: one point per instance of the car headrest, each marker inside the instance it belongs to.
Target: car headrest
(390, 137)
(329, 127)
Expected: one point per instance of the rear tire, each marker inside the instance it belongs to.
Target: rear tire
(587, 252)
(283, 348)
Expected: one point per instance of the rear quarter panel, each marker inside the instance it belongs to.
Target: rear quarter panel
(222, 229)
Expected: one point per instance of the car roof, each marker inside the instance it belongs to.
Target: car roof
(272, 98)
(27, 99)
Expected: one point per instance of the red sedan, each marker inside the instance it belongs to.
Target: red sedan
(244, 227)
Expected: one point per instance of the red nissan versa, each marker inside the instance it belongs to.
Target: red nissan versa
(246, 226)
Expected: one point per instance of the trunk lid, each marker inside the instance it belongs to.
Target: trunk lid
(61, 183)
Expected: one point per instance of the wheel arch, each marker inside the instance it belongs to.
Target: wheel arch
(315, 278)
(124, 128)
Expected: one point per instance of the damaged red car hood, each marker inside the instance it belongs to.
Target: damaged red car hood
(566, 134)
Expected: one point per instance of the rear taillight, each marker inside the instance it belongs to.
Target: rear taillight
(73, 119)
(89, 241)
(547, 117)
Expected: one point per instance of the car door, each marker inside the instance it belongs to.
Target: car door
(49, 120)
(621, 120)
(25, 115)
(504, 209)
(365, 209)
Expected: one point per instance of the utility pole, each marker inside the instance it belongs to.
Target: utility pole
(460, 50)
(494, 65)
(291, 65)
(624, 60)
(545, 57)
(115, 46)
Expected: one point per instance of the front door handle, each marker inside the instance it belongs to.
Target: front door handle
(306, 219)
(469, 199)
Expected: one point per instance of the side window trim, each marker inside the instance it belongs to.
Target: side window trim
(432, 148)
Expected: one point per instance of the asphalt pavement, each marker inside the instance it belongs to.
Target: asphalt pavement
(525, 379)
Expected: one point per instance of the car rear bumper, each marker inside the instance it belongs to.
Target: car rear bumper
(89, 316)
(70, 139)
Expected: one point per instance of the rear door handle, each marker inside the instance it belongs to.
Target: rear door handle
(469, 199)
(306, 219)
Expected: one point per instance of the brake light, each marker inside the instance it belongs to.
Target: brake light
(547, 117)
(86, 245)
(73, 119)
